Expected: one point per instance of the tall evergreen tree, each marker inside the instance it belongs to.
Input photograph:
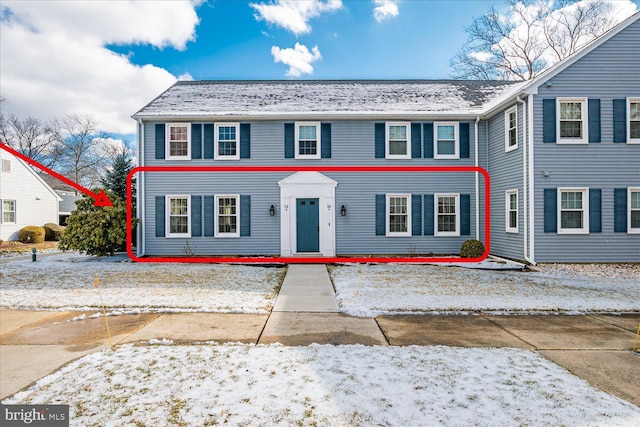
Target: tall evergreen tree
(116, 178)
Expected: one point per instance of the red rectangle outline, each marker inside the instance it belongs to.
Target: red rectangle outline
(301, 260)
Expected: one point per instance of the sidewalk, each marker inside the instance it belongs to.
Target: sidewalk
(594, 347)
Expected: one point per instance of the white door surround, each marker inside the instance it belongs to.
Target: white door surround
(307, 185)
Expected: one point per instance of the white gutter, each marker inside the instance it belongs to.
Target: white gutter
(140, 190)
(525, 141)
(531, 181)
(477, 163)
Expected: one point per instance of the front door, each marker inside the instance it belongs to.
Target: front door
(308, 225)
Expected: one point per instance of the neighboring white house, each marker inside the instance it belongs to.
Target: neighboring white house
(25, 199)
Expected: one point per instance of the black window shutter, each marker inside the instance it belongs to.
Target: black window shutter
(289, 141)
(465, 214)
(594, 120)
(160, 219)
(245, 140)
(550, 210)
(325, 140)
(428, 140)
(245, 215)
(381, 214)
(196, 141)
(196, 216)
(595, 210)
(464, 140)
(416, 215)
(549, 120)
(428, 214)
(208, 140)
(209, 220)
(160, 141)
(620, 210)
(380, 140)
(620, 120)
(416, 140)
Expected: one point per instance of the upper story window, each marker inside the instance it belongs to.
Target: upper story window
(307, 140)
(447, 140)
(572, 121)
(511, 220)
(398, 215)
(8, 211)
(227, 218)
(633, 112)
(178, 209)
(447, 214)
(178, 141)
(634, 210)
(511, 129)
(227, 141)
(398, 135)
(573, 217)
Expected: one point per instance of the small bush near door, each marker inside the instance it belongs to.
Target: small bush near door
(472, 249)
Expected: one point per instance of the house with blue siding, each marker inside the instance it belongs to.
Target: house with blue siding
(562, 152)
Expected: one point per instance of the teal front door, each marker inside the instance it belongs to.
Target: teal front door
(308, 225)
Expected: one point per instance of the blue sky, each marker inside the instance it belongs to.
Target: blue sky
(109, 58)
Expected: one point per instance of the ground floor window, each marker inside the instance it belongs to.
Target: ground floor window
(178, 208)
(447, 214)
(634, 210)
(573, 215)
(398, 215)
(8, 211)
(227, 215)
(511, 219)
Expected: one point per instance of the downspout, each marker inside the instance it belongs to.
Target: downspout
(524, 179)
(531, 181)
(477, 163)
(140, 190)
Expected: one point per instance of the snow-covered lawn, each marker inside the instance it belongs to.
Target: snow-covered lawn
(370, 290)
(66, 282)
(324, 385)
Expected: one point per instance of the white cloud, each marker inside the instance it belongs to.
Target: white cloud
(54, 60)
(298, 59)
(385, 9)
(293, 15)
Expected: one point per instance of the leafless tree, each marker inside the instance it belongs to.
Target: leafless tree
(517, 44)
(32, 137)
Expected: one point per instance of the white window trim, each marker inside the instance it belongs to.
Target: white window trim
(456, 154)
(507, 128)
(629, 229)
(585, 121)
(507, 202)
(216, 216)
(629, 139)
(388, 214)
(15, 209)
(216, 140)
(387, 155)
(297, 139)
(435, 215)
(585, 211)
(167, 138)
(167, 205)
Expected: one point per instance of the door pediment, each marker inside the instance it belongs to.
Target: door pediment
(307, 178)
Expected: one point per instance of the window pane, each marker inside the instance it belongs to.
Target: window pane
(634, 130)
(227, 224)
(513, 201)
(634, 110)
(635, 219)
(398, 205)
(446, 132)
(227, 206)
(179, 224)
(571, 200)
(9, 211)
(398, 223)
(308, 147)
(571, 129)
(397, 147)
(398, 133)
(178, 207)
(635, 200)
(447, 205)
(178, 148)
(513, 219)
(307, 132)
(227, 133)
(447, 223)
(570, 111)
(571, 219)
(446, 147)
(513, 137)
(227, 148)
(178, 133)
(512, 119)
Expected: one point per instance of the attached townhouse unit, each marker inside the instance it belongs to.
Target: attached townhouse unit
(562, 152)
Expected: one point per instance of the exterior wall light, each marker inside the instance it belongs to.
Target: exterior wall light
(343, 211)
(272, 210)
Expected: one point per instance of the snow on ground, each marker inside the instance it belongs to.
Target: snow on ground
(324, 385)
(66, 282)
(371, 290)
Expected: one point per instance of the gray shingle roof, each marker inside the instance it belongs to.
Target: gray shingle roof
(344, 97)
